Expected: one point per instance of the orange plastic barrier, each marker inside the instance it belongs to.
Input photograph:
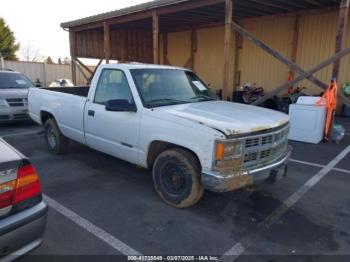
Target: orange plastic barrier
(330, 95)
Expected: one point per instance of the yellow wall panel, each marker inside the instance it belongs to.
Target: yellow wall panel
(316, 43)
(179, 46)
(209, 58)
(256, 65)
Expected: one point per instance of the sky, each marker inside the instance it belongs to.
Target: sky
(37, 22)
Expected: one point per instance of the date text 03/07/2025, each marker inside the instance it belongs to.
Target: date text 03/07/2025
(173, 258)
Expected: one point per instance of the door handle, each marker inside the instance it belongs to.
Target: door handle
(91, 113)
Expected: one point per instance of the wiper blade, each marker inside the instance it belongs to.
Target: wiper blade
(166, 100)
(13, 87)
(206, 98)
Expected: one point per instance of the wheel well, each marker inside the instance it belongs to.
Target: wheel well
(158, 147)
(44, 116)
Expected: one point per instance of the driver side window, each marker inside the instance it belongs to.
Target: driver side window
(112, 85)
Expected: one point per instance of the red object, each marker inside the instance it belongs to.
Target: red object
(330, 95)
(291, 88)
(27, 185)
(7, 192)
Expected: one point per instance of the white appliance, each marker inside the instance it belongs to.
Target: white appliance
(307, 120)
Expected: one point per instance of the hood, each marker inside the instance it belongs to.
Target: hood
(229, 118)
(14, 93)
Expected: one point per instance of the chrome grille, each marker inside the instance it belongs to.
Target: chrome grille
(17, 102)
(265, 148)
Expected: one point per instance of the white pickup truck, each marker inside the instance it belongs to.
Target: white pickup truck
(165, 118)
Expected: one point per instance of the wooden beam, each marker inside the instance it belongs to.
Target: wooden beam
(123, 41)
(165, 48)
(81, 71)
(155, 25)
(84, 66)
(226, 87)
(284, 60)
(318, 11)
(89, 26)
(237, 74)
(193, 48)
(278, 56)
(273, 5)
(312, 71)
(187, 28)
(115, 20)
(106, 41)
(93, 73)
(343, 15)
(187, 5)
(295, 42)
(73, 48)
(130, 17)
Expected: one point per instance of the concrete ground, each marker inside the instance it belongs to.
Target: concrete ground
(104, 206)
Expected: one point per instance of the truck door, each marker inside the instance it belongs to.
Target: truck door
(114, 133)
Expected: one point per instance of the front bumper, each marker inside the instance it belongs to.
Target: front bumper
(9, 114)
(22, 232)
(220, 183)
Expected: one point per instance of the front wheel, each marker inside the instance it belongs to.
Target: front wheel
(55, 140)
(176, 177)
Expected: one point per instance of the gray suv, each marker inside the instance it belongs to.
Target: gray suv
(13, 96)
(22, 209)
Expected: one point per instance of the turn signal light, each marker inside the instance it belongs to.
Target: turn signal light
(220, 152)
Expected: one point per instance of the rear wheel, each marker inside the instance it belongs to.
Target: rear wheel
(176, 177)
(55, 140)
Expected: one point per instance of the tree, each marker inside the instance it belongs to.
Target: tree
(8, 45)
(59, 61)
(49, 60)
(30, 53)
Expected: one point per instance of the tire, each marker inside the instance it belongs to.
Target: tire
(56, 142)
(176, 178)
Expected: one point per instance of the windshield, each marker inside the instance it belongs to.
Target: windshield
(14, 80)
(162, 87)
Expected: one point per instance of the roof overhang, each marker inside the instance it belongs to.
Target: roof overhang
(186, 12)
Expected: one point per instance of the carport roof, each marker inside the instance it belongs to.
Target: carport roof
(242, 8)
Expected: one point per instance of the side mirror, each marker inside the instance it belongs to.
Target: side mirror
(120, 105)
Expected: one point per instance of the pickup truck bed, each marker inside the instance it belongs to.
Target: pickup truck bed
(76, 90)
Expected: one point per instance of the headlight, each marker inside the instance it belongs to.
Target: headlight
(228, 156)
(3, 102)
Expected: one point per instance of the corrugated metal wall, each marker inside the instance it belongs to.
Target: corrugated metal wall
(316, 43)
(208, 60)
(31, 70)
(255, 64)
(90, 43)
(210, 56)
(125, 44)
(179, 46)
(131, 45)
(46, 73)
